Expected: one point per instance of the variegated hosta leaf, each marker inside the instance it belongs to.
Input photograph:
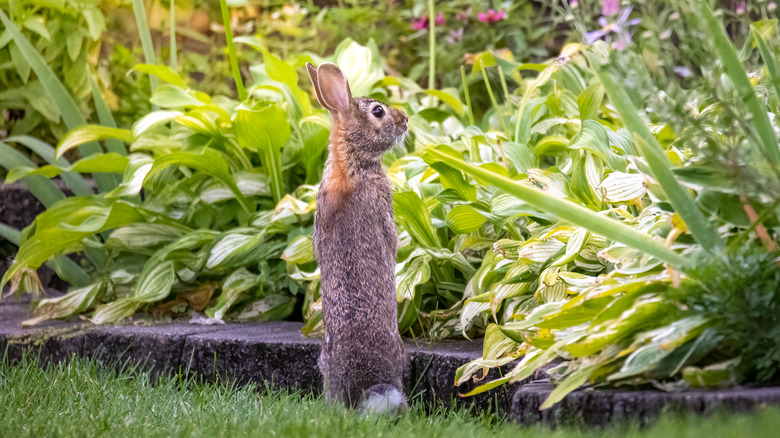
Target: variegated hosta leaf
(472, 308)
(133, 180)
(412, 272)
(623, 188)
(238, 282)
(249, 184)
(649, 348)
(72, 303)
(273, 307)
(573, 246)
(115, 311)
(153, 119)
(234, 246)
(155, 282)
(551, 183)
(464, 219)
(539, 250)
(629, 260)
(496, 344)
(299, 251)
(142, 235)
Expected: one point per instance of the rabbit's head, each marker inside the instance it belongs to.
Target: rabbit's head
(366, 127)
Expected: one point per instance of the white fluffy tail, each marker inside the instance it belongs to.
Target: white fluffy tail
(383, 399)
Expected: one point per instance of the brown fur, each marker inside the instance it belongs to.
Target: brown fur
(355, 241)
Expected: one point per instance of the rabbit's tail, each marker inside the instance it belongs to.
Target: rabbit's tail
(383, 399)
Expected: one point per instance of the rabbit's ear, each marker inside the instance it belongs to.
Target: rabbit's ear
(316, 85)
(332, 87)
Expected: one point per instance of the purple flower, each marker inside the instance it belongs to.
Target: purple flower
(573, 3)
(440, 19)
(610, 7)
(618, 27)
(491, 16)
(741, 8)
(455, 36)
(683, 72)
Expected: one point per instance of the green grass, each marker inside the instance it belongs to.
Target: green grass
(83, 399)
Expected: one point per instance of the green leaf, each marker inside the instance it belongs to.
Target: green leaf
(463, 219)
(75, 182)
(450, 99)
(95, 21)
(89, 133)
(299, 251)
(564, 209)
(71, 304)
(569, 384)
(171, 96)
(589, 101)
(163, 72)
(238, 282)
(265, 131)
(115, 311)
(155, 282)
(416, 270)
(43, 189)
(415, 217)
(209, 162)
(453, 179)
(593, 138)
(623, 188)
(36, 25)
(109, 162)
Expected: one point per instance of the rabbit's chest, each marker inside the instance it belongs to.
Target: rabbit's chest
(362, 225)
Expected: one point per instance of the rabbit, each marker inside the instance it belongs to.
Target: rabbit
(355, 241)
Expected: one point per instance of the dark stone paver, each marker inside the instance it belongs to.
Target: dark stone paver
(598, 407)
(276, 353)
(156, 348)
(433, 370)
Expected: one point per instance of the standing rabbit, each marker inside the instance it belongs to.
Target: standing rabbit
(355, 241)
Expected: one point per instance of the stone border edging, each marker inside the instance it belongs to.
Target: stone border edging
(276, 353)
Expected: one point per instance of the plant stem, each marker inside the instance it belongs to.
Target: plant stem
(146, 38)
(172, 49)
(432, 51)
(493, 99)
(232, 51)
(466, 93)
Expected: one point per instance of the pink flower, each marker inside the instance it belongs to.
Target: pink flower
(424, 23)
(574, 3)
(741, 8)
(421, 23)
(610, 7)
(491, 16)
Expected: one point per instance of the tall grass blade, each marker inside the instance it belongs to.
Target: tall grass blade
(735, 71)
(173, 53)
(146, 37)
(563, 209)
(769, 60)
(70, 112)
(73, 180)
(42, 188)
(703, 231)
(10, 234)
(232, 51)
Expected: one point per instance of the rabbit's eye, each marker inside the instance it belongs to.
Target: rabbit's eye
(378, 111)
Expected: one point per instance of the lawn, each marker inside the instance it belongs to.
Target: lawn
(82, 398)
